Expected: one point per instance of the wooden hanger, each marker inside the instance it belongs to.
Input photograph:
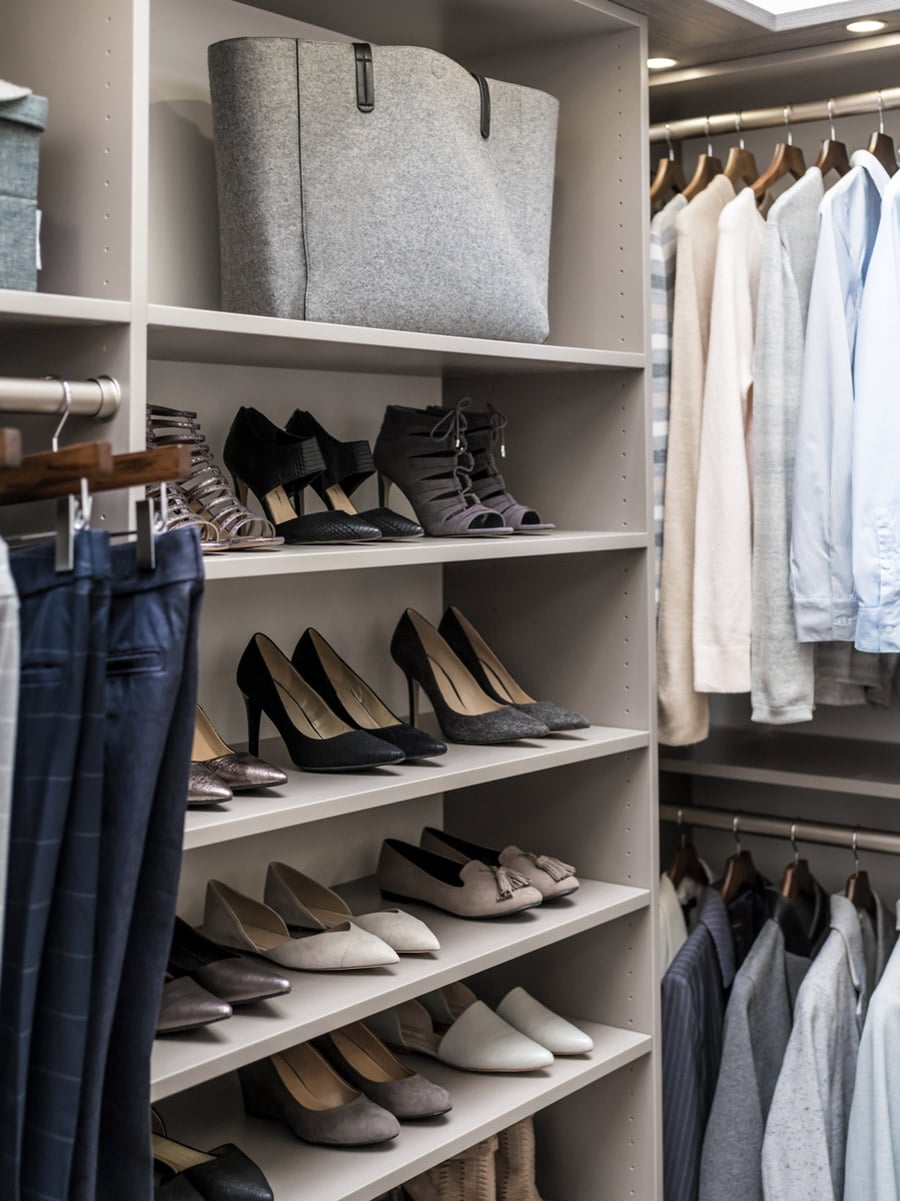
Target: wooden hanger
(787, 160)
(798, 881)
(833, 155)
(10, 448)
(858, 890)
(51, 474)
(669, 175)
(741, 163)
(881, 145)
(686, 863)
(708, 167)
(740, 871)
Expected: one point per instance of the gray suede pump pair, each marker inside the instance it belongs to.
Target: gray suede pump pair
(344, 1089)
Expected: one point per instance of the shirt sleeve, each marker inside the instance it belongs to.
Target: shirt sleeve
(824, 609)
(722, 541)
(876, 446)
(782, 672)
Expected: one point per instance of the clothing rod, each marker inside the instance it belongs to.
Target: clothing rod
(769, 118)
(778, 827)
(99, 398)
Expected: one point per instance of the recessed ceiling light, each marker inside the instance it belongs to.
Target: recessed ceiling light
(661, 64)
(866, 26)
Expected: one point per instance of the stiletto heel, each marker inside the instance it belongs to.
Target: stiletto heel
(496, 680)
(347, 466)
(465, 712)
(413, 698)
(254, 716)
(384, 488)
(315, 737)
(276, 466)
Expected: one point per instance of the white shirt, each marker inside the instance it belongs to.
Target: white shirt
(821, 555)
(672, 926)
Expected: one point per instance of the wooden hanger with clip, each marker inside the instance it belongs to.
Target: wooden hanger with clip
(740, 870)
(669, 174)
(833, 156)
(741, 162)
(858, 890)
(708, 167)
(881, 145)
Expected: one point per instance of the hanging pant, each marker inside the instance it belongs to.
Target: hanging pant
(55, 609)
(64, 991)
(9, 704)
(151, 700)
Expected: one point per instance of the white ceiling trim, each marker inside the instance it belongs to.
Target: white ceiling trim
(801, 18)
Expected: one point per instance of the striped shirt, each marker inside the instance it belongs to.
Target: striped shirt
(662, 297)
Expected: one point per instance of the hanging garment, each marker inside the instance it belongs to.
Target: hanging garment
(723, 541)
(872, 1165)
(59, 1032)
(54, 619)
(876, 443)
(821, 560)
(806, 1130)
(693, 1006)
(9, 703)
(672, 926)
(683, 712)
(662, 298)
(150, 709)
(846, 676)
(782, 679)
(757, 1028)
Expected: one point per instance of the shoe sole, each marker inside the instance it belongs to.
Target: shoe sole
(191, 1026)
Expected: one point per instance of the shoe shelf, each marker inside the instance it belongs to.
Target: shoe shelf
(310, 796)
(322, 1001)
(294, 560)
(483, 1105)
(210, 336)
(36, 309)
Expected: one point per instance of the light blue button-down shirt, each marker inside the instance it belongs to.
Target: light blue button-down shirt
(821, 548)
(872, 1169)
(876, 442)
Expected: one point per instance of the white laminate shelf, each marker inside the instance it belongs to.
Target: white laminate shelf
(322, 1001)
(311, 796)
(39, 309)
(210, 336)
(482, 1106)
(294, 560)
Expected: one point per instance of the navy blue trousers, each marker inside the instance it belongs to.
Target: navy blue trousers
(151, 694)
(55, 623)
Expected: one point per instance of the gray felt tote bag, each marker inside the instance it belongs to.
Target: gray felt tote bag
(381, 186)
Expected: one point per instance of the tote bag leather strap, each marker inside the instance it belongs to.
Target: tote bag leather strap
(365, 86)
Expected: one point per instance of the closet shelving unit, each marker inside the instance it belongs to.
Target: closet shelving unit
(131, 290)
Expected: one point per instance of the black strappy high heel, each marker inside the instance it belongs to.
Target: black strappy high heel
(277, 466)
(347, 465)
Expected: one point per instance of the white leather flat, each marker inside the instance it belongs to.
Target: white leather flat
(478, 1041)
(538, 1022)
(237, 921)
(305, 904)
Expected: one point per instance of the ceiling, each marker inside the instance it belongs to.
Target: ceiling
(696, 32)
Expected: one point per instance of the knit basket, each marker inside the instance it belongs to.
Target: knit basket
(21, 123)
(381, 186)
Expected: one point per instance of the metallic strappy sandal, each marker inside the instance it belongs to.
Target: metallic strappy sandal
(423, 452)
(485, 438)
(208, 494)
(179, 515)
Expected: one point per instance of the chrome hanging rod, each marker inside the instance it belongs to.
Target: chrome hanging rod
(769, 118)
(777, 827)
(99, 398)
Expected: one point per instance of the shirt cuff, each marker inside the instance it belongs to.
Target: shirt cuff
(878, 628)
(821, 621)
